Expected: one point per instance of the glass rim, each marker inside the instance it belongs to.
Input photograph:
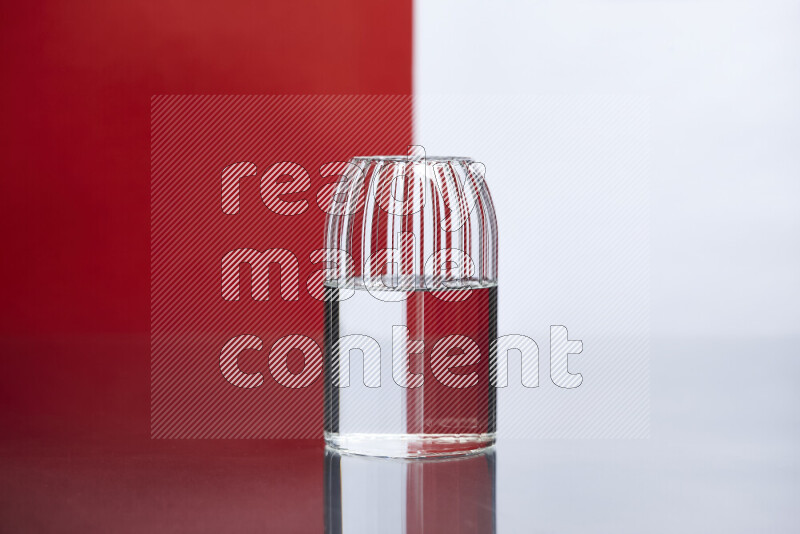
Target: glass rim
(407, 159)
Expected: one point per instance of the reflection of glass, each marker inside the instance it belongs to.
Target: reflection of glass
(368, 495)
(411, 308)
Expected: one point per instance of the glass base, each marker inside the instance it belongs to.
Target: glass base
(409, 445)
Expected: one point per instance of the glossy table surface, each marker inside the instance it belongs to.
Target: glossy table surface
(722, 457)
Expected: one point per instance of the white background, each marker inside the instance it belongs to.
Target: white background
(723, 84)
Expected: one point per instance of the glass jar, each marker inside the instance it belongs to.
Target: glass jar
(411, 308)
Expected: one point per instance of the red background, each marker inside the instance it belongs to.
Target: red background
(76, 101)
(78, 77)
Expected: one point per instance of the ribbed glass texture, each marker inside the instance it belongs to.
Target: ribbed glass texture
(414, 222)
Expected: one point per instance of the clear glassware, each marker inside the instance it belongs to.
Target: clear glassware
(411, 308)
